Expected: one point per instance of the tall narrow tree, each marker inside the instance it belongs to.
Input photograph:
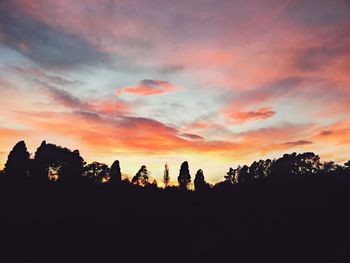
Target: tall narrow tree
(199, 181)
(184, 177)
(116, 175)
(166, 177)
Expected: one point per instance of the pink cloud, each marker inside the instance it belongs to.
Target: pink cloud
(148, 87)
(248, 116)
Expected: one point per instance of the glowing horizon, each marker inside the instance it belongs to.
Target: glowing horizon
(213, 83)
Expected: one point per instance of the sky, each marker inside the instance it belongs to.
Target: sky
(216, 83)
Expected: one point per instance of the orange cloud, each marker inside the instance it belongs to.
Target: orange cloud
(338, 133)
(111, 107)
(125, 134)
(248, 116)
(148, 87)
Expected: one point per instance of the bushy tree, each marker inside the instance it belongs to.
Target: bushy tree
(308, 163)
(184, 177)
(97, 172)
(330, 167)
(18, 161)
(296, 165)
(260, 169)
(58, 163)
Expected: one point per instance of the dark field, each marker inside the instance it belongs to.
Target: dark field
(300, 220)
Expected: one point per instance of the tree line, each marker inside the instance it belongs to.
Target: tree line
(52, 163)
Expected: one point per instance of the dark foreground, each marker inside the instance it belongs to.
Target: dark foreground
(307, 220)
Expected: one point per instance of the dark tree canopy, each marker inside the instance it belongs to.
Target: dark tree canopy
(97, 172)
(288, 166)
(18, 162)
(58, 163)
(260, 169)
(244, 176)
(184, 177)
(296, 165)
(115, 175)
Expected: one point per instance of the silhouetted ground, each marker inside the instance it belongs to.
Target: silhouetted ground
(304, 220)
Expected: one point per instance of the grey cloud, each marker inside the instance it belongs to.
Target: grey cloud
(326, 133)
(274, 90)
(315, 13)
(297, 143)
(130, 122)
(64, 97)
(316, 57)
(88, 115)
(152, 83)
(48, 46)
(38, 74)
(192, 136)
(169, 69)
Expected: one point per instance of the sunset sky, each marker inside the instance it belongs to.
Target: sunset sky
(216, 83)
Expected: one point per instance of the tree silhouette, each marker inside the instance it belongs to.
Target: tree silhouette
(260, 169)
(308, 163)
(296, 165)
(230, 176)
(166, 177)
(234, 176)
(97, 172)
(141, 177)
(199, 181)
(244, 175)
(115, 174)
(58, 163)
(329, 168)
(184, 177)
(347, 167)
(63, 165)
(18, 162)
